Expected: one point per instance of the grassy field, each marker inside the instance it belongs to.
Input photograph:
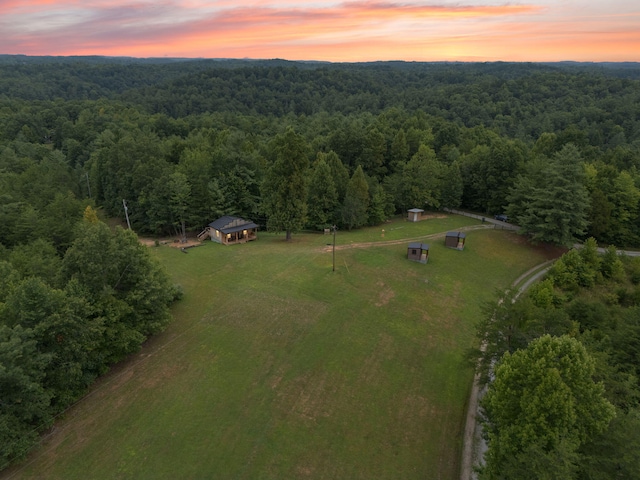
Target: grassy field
(277, 367)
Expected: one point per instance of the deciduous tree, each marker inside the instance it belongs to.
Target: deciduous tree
(543, 404)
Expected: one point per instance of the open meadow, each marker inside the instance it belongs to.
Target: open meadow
(278, 367)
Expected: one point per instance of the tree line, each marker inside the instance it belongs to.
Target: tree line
(217, 162)
(66, 317)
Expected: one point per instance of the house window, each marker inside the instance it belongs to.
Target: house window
(414, 252)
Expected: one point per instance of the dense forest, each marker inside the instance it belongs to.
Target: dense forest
(288, 145)
(562, 365)
(554, 146)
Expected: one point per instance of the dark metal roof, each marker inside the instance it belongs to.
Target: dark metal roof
(418, 245)
(456, 234)
(245, 226)
(230, 224)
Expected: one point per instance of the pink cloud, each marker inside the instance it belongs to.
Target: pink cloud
(351, 31)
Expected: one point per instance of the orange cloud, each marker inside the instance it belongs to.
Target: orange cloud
(353, 31)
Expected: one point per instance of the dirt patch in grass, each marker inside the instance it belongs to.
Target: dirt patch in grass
(308, 397)
(386, 294)
(171, 242)
(304, 471)
(166, 373)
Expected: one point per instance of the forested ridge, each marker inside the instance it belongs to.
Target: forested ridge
(289, 145)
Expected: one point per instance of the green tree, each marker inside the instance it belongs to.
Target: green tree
(356, 201)
(616, 452)
(284, 189)
(196, 164)
(36, 259)
(489, 171)
(339, 172)
(615, 199)
(452, 187)
(9, 278)
(59, 219)
(551, 204)
(240, 192)
(541, 407)
(399, 151)
(626, 201)
(323, 197)
(503, 328)
(179, 194)
(381, 204)
(373, 156)
(422, 180)
(128, 291)
(24, 402)
(65, 333)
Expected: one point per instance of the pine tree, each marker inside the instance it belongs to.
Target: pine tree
(356, 201)
(323, 197)
(551, 204)
(284, 190)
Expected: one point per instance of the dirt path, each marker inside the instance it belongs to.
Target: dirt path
(176, 243)
(474, 446)
(401, 241)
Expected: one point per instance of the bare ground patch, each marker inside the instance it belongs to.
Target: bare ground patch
(170, 241)
(385, 294)
(309, 397)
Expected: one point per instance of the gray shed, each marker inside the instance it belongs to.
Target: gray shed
(415, 215)
(418, 252)
(455, 240)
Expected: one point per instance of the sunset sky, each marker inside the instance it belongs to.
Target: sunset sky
(339, 31)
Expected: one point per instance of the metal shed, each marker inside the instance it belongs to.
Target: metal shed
(455, 240)
(418, 252)
(415, 215)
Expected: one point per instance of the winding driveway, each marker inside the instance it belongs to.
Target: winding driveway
(474, 446)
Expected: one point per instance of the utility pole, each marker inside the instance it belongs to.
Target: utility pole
(86, 174)
(126, 213)
(334, 247)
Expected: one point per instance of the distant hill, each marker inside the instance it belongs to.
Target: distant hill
(141, 80)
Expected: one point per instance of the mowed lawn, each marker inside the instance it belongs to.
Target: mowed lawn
(277, 367)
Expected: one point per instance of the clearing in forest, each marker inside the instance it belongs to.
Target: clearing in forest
(278, 367)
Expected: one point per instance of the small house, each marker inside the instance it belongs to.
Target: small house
(229, 230)
(418, 252)
(455, 240)
(415, 215)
